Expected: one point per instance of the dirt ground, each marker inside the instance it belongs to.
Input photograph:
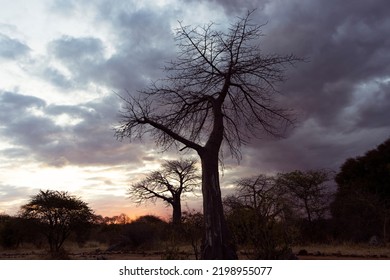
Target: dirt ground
(97, 252)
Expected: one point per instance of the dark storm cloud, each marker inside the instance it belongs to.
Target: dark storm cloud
(89, 142)
(341, 95)
(232, 7)
(346, 44)
(374, 112)
(12, 48)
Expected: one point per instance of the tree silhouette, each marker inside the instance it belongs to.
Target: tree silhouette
(176, 178)
(309, 190)
(58, 213)
(219, 90)
(259, 213)
(362, 201)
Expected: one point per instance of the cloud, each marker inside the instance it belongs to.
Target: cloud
(11, 197)
(75, 62)
(340, 94)
(60, 135)
(76, 50)
(372, 111)
(232, 7)
(134, 43)
(12, 48)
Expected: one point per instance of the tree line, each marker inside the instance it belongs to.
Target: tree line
(266, 214)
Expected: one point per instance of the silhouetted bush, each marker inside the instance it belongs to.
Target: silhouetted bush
(263, 239)
(14, 231)
(9, 235)
(317, 231)
(192, 230)
(144, 233)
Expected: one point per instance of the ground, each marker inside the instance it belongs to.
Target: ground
(96, 251)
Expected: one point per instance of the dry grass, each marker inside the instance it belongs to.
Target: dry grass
(97, 251)
(345, 250)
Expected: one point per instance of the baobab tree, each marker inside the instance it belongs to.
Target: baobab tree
(175, 179)
(218, 92)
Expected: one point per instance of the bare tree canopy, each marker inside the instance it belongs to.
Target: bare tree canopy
(170, 184)
(260, 193)
(220, 90)
(259, 213)
(309, 189)
(219, 78)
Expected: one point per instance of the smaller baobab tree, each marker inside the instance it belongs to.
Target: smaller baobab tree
(175, 178)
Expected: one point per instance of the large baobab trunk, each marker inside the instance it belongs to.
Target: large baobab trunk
(217, 240)
(176, 215)
(219, 79)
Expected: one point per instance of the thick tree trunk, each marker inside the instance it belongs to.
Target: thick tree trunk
(217, 242)
(176, 215)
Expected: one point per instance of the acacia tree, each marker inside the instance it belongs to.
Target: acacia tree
(58, 213)
(168, 184)
(309, 189)
(261, 194)
(219, 90)
(258, 212)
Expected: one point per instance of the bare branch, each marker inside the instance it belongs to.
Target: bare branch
(175, 178)
(212, 65)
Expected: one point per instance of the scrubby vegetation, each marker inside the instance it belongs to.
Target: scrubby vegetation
(283, 216)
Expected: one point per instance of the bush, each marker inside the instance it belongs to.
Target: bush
(9, 236)
(143, 233)
(265, 239)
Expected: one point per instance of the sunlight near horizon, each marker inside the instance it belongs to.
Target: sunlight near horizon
(104, 188)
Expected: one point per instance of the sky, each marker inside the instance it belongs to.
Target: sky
(63, 64)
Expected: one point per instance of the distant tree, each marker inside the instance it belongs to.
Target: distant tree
(123, 219)
(258, 213)
(59, 213)
(99, 220)
(362, 204)
(260, 193)
(117, 219)
(309, 189)
(220, 90)
(174, 180)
